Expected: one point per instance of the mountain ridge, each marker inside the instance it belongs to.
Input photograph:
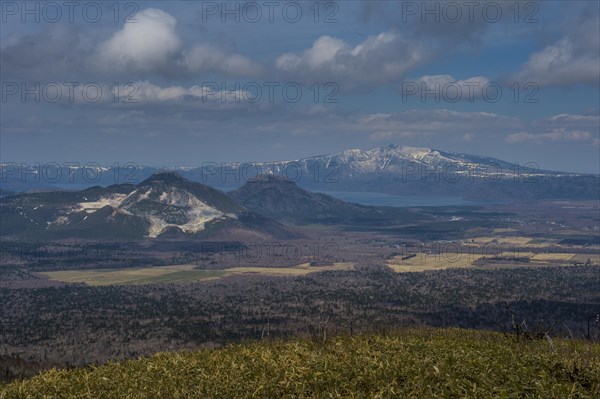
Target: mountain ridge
(392, 169)
(165, 203)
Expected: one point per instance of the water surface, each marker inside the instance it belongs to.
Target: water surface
(382, 199)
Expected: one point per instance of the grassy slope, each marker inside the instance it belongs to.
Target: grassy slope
(417, 364)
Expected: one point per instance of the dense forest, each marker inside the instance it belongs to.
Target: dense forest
(76, 324)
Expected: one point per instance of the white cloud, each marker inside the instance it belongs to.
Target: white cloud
(574, 59)
(322, 53)
(393, 135)
(208, 57)
(569, 118)
(570, 122)
(464, 126)
(558, 65)
(379, 59)
(152, 45)
(149, 93)
(432, 80)
(143, 46)
(560, 134)
(449, 89)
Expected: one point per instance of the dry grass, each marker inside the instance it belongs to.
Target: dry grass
(137, 275)
(178, 274)
(413, 364)
(561, 257)
(509, 240)
(448, 260)
(423, 262)
(299, 270)
(594, 258)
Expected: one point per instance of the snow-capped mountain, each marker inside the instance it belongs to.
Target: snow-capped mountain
(407, 162)
(414, 171)
(392, 169)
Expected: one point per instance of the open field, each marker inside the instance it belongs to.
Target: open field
(545, 257)
(583, 258)
(299, 270)
(422, 262)
(177, 274)
(552, 258)
(138, 275)
(519, 241)
(453, 260)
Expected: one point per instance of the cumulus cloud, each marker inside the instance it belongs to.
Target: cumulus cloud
(378, 59)
(560, 65)
(143, 46)
(149, 47)
(153, 45)
(555, 135)
(574, 59)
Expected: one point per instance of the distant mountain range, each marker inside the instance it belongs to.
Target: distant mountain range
(164, 205)
(392, 169)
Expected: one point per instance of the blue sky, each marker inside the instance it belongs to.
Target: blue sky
(514, 80)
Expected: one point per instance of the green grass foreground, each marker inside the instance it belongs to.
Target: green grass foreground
(411, 364)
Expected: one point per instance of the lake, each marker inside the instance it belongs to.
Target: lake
(381, 199)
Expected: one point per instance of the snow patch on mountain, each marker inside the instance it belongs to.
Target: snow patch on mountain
(113, 201)
(389, 158)
(196, 212)
(157, 207)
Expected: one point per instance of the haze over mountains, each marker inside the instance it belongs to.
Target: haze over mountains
(392, 169)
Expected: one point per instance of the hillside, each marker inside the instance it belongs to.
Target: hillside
(165, 205)
(279, 198)
(411, 364)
